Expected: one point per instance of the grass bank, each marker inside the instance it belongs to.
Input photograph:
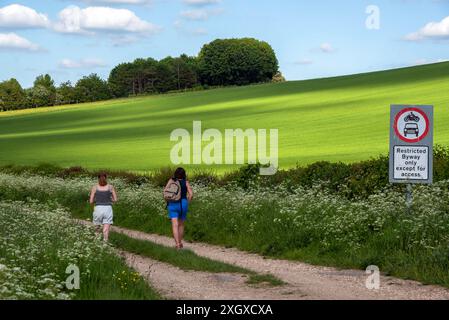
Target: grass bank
(41, 247)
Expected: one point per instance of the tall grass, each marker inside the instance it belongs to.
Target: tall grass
(304, 223)
(40, 242)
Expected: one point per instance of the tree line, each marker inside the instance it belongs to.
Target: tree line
(223, 62)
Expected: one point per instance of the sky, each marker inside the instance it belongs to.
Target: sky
(69, 39)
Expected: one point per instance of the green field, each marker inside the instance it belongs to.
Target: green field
(335, 119)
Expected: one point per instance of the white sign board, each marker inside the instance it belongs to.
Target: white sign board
(411, 163)
(411, 144)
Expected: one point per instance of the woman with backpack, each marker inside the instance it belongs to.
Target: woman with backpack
(178, 194)
(103, 196)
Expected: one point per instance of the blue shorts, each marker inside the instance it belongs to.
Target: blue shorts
(174, 210)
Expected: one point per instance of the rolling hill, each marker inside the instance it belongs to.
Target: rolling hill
(334, 119)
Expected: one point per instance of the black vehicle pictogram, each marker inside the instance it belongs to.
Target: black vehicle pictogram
(411, 128)
(412, 118)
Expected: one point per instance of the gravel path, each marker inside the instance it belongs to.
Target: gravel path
(176, 284)
(304, 281)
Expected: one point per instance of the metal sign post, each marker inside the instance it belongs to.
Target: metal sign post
(409, 198)
(411, 147)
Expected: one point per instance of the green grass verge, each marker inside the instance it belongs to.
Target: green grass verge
(186, 259)
(111, 279)
(39, 244)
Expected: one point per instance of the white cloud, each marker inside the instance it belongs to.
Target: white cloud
(91, 19)
(80, 64)
(18, 16)
(200, 14)
(16, 42)
(200, 3)
(432, 30)
(327, 48)
(195, 14)
(304, 62)
(199, 32)
(123, 40)
(177, 24)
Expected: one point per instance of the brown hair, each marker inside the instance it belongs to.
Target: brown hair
(103, 179)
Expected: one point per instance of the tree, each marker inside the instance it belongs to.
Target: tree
(221, 62)
(278, 77)
(237, 62)
(45, 81)
(121, 80)
(134, 78)
(92, 88)
(65, 93)
(28, 100)
(183, 72)
(44, 91)
(39, 96)
(166, 75)
(12, 96)
(145, 75)
(188, 72)
(150, 76)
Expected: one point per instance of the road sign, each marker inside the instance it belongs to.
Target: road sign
(411, 144)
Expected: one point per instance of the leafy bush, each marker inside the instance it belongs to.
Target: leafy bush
(355, 180)
(237, 62)
(244, 177)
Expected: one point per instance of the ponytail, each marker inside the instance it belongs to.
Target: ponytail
(102, 179)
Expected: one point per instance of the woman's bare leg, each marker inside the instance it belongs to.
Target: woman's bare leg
(106, 228)
(181, 227)
(175, 229)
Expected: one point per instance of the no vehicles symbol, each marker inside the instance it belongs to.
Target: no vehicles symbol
(411, 125)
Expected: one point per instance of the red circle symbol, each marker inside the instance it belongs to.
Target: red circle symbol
(398, 118)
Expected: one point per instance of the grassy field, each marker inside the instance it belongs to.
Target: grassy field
(336, 119)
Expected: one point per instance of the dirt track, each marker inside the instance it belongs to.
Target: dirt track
(303, 281)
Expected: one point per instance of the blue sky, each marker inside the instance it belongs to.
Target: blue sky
(72, 38)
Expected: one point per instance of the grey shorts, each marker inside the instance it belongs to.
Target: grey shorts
(103, 215)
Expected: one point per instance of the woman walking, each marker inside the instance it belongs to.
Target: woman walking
(103, 196)
(177, 210)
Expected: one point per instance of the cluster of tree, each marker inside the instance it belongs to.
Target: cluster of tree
(45, 93)
(152, 76)
(219, 63)
(237, 62)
